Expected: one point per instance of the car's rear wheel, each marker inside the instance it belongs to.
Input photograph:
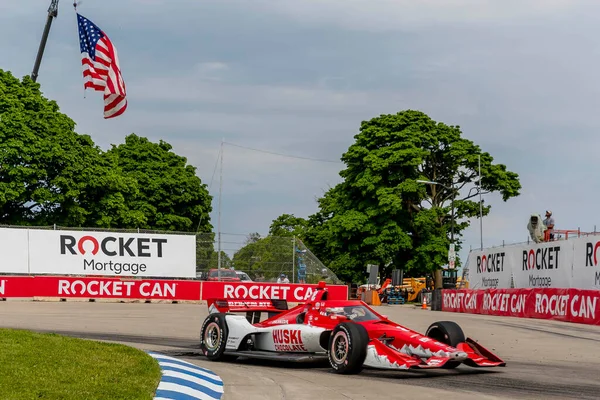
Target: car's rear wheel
(213, 337)
(347, 348)
(449, 333)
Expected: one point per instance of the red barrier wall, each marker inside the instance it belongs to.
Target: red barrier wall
(155, 289)
(569, 305)
(294, 293)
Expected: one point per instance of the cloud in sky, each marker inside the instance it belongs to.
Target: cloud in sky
(519, 77)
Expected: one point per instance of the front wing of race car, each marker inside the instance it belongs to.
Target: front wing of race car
(384, 356)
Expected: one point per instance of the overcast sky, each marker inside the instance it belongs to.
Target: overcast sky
(297, 77)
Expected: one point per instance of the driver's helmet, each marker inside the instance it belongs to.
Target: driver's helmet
(356, 312)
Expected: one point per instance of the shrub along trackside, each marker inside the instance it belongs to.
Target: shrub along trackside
(50, 366)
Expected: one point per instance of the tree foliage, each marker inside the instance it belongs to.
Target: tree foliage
(380, 214)
(50, 174)
(288, 225)
(265, 258)
(226, 261)
(171, 196)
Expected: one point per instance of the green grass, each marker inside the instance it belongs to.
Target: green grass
(49, 366)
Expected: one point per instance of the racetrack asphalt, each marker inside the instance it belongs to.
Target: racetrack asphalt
(545, 359)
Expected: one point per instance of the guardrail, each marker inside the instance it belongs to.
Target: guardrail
(567, 305)
(93, 288)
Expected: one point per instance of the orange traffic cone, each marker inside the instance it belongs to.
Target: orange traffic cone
(424, 304)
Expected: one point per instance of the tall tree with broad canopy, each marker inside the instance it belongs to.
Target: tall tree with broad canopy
(380, 214)
(171, 196)
(50, 174)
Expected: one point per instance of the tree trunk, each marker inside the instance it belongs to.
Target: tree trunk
(437, 277)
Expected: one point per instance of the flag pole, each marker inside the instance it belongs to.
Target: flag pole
(219, 219)
(52, 13)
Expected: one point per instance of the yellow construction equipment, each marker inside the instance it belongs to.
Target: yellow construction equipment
(412, 287)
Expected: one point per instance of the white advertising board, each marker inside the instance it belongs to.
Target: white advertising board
(543, 265)
(13, 248)
(489, 269)
(573, 263)
(111, 254)
(586, 265)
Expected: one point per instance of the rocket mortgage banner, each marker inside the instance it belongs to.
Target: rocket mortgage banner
(572, 263)
(111, 254)
(488, 269)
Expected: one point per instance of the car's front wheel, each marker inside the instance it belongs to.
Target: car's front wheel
(347, 348)
(449, 333)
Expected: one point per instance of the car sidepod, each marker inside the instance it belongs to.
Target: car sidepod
(288, 338)
(291, 338)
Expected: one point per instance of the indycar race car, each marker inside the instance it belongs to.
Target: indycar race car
(349, 333)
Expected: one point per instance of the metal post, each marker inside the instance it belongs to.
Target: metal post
(293, 258)
(452, 226)
(52, 13)
(219, 220)
(480, 207)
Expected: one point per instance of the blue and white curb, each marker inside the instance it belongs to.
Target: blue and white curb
(182, 380)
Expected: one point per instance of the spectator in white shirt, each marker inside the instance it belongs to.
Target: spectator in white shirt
(283, 279)
(549, 222)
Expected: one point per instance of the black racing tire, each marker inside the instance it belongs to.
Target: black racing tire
(347, 349)
(449, 333)
(213, 338)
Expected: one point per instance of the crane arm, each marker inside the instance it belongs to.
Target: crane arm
(52, 13)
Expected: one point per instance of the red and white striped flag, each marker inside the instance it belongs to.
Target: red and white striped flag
(101, 69)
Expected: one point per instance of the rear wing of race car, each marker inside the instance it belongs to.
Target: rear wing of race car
(252, 308)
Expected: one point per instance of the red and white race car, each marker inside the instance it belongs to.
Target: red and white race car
(347, 332)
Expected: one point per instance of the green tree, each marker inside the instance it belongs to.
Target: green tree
(253, 238)
(226, 261)
(288, 225)
(204, 250)
(265, 258)
(380, 214)
(171, 196)
(48, 172)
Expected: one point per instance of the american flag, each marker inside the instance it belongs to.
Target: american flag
(101, 69)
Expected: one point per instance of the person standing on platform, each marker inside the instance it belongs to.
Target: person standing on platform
(549, 223)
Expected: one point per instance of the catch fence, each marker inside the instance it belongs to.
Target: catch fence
(262, 259)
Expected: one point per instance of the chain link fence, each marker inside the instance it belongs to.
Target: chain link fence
(260, 259)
